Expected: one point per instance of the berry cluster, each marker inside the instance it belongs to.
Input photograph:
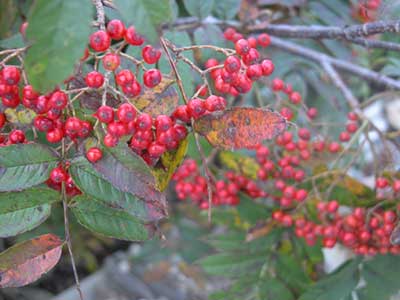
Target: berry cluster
(59, 176)
(366, 10)
(191, 184)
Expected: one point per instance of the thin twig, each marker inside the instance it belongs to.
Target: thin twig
(101, 21)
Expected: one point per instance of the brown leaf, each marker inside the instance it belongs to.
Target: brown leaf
(240, 127)
(259, 230)
(160, 100)
(26, 262)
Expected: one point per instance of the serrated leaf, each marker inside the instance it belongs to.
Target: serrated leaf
(170, 161)
(108, 221)
(336, 286)
(26, 262)
(25, 165)
(59, 35)
(25, 210)
(240, 163)
(146, 15)
(200, 9)
(160, 100)
(12, 42)
(97, 186)
(230, 241)
(290, 271)
(240, 127)
(226, 9)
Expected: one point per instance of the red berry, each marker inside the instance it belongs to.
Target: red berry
(277, 84)
(180, 131)
(17, 136)
(215, 103)
(181, 113)
(94, 154)
(251, 57)
(144, 122)
(124, 77)
(264, 40)
(2, 120)
(151, 55)
(242, 47)
(252, 42)
(242, 84)
(229, 33)
(304, 134)
(344, 136)
(58, 175)
(152, 77)
(334, 147)
(99, 41)
(196, 108)
(351, 127)
(396, 186)
(232, 64)
(126, 113)
(267, 67)
(116, 29)
(132, 89)
(11, 75)
(132, 37)
(58, 100)
(43, 124)
(85, 130)
(156, 150)
(42, 105)
(254, 72)
(111, 61)
(295, 98)
(29, 93)
(55, 135)
(94, 79)
(381, 182)
(163, 123)
(312, 112)
(352, 116)
(105, 114)
(110, 140)
(116, 129)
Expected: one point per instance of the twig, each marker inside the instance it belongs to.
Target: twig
(100, 14)
(340, 64)
(66, 228)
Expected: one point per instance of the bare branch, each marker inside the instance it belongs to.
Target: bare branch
(101, 19)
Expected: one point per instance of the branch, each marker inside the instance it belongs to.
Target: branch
(340, 64)
(101, 19)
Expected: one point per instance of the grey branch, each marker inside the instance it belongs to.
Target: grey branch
(101, 19)
(338, 63)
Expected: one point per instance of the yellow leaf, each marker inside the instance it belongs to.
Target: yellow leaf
(242, 164)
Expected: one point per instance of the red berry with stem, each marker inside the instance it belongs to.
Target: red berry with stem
(152, 78)
(163, 123)
(295, 98)
(105, 114)
(29, 93)
(99, 41)
(195, 108)
(17, 136)
(126, 113)
(232, 64)
(144, 122)
(264, 40)
(58, 100)
(312, 112)
(251, 57)
(132, 89)
(156, 150)
(11, 75)
(242, 47)
(43, 124)
(55, 135)
(94, 154)
(181, 113)
(344, 136)
(111, 61)
(94, 79)
(150, 54)
(277, 84)
(116, 29)
(381, 182)
(110, 140)
(267, 67)
(132, 37)
(58, 175)
(351, 127)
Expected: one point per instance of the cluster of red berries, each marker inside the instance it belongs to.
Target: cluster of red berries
(59, 176)
(190, 184)
(366, 10)
(239, 71)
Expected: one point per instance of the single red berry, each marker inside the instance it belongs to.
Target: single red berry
(132, 37)
(195, 108)
(163, 123)
(304, 134)
(254, 72)
(242, 47)
(150, 54)
(43, 124)
(252, 42)
(334, 147)
(312, 112)
(42, 105)
(351, 127)
(229, 33)
(124, 77)
(277, 84)
(180, 131)
(144, 122)
(22, 29)
(116, 128)
(58, 100)
(11, 75)
(156, 150)
(99, 41)
(116, 29)
(29, 93)
(181, 113)
(396, 186)
(94, 154)
(126, 113)
(344, 136)
(232, 64)
(85, 130)
(212, 62)
(16, 136)
(105, 114)
(152, 78)
(352, 116)
(54, 113)
(58, 175)
(132, 89)
(251, 57)
(111, 61)
(73, 125)
(55, 135)
(267, 67)
(381, 182)
(2, 120)
(264, 40)
(215, 103)
(110, 140)
(295, 98)
(94, 79)
(243, 84)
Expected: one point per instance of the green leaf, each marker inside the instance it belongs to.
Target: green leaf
(227, 9)
(239, 162)
(290, 271)
(146, 15)
(200, 9)
(250, 211)
(231, 264)
(337, 286)
(210, 34)
(229, 241)
(25, 165)
(59, 31)
(381, 276)
(97, 186)
(170, 161)
(14, 41)
(274, 289)
(108, 221)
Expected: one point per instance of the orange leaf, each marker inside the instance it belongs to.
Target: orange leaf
(240, 127)
(26, 262)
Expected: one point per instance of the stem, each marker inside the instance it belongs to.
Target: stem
(100, 14)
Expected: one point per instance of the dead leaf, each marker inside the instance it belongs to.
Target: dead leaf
(259, 230)
(240, 127)
(26, 262)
